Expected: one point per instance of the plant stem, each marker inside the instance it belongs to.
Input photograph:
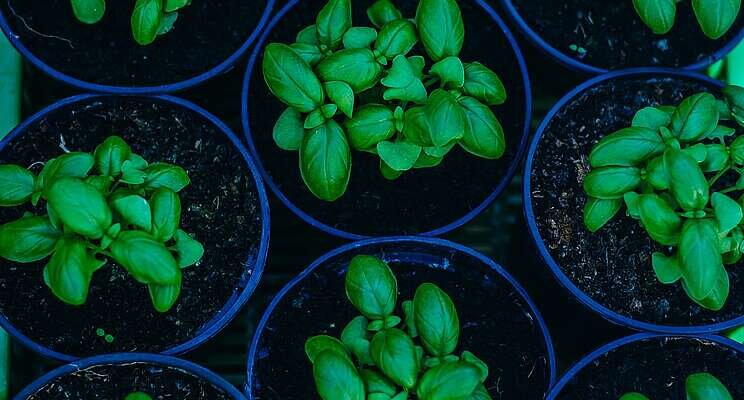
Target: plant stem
(718, 176)
(729, 190)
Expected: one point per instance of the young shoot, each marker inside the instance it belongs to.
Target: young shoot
(716, 17)
(701, 386)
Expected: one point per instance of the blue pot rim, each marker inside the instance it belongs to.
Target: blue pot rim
(579, 66)
(219, 69)
(124, 358)
(234, 303)
(537, 238)
(576, 368)
(434, 242)
(506, 179)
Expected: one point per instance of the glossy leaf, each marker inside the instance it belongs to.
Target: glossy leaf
(145, 258)
(188, 250)
(716, 17)
(480, 393)
(288, 130)
(291, 79)
(656, 173)
(436, 319)
(687, 181)
(441, 28)
(450, 71)
(696, 117)
(382, 12)
(371, 287)
(395, 354)
(403, 82)
(336, 378)
(483, 84)
(727, 211)
(716, 158)
(146, 19)
(28, 239)
(704, 386)
(450, 380)
(325, 161)
(652, 118)
(446, 118)
(73, 165)
(80, 206)
(668, 269)
(598, 212)
(308, 35)
(627, 147)
(484, 135)
(16, 185)
(700, 257)
(334, 19)
(716, 299)
(356, 67)
(372, 124)
(737, 150)
(376, 382)
(342, 95)
(162, 175)
(111, 154)
(318, 344)
(174, 5)
(88, 11)
(138, 396)
(166, 214)
(359, 38)
(660, 220)
(354, 337)
(482, 366)
(399, 155)
(416, 127)
(396, 38)
(134, 210)
(164, 297)
(69, 271)
(633, 396)
(611, 182)
(659, 15)
(310, 53)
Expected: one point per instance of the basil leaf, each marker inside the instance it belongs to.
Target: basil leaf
(480, 393)
(598, 212)
(400, 155)
(162, 175)
(372, 124)
(627, 147)
(289, 130)
(70, 270)
(687, 181)
(700, 256)
(704, 386)
(634, 396)
(164, 297)
(656, 173)
(388, 172)
(371, 287)
(383, 12)
(134, 210)
(111, 154)
(396, 38)
(441, 28)
(376, 382)
(166, 214)
(404, 82)
(74, 165)
(727, 211)
(696, 117)
(716, 16)
(436, 319)
(716, 158)
(721, 132)
(698, 152)
(659, 15)
(341, 94)
(611, 182)
(716, 299)
(427, 161)
(174, 5)
(416, 127)
(167, 23)
(483, 84)
(146, 259)
(410, 318)
(447, 120)
(333, 21)
(80, 206)
(484, 135)
(356, 67)
(354, 337)
(28, 239)
(318, 344)
(88, 11)
(667, 269)
(652, 118)
(308, 35)
(482, 366)
(449, 380)
(450, 71)
(16, 185)
(146, 19)
(309, 52)
(101, 183)
(336, 378)
(188, 250)
(291, 79)
(395, 354)
(314, 120)
(660, 220)
(359, 38)
(325, 161)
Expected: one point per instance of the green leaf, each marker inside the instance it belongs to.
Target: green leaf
(167, 23)
(696, 117)
(145, 20)
(634, 396)
(341, 94)
(416, 127)
(659, 15)
(395, 354)
(483, 84)
(698, 152)
(166, 214)
(382, 12)
(737, 150)
(627, 147)
(631, 201)
(718, 296)
(399, 155)
(727, 211)
(611, 182)
(376, 382)
(480, 393)
(446, 117)
(441, 28)
(388, 172)
(436, 319)
(360, 38)
(716, 16)
(721, 132)
(450, 71)
(667, 269)
(357, 67)
(336, 378)
(371, 124)
(88, 11)
(482, 366)
(138, 396)
(410, 318)
(598, 212)
(28, 239)
(484, 135)
(164, 297)
(101, 183)
(333, 21)
(291, 79)
(396, 38)
(188, 250)
(652, 118)
(135, 210)
(716, 158)
(145, 258)
(311, 53)
(289, 130)
(354, 337)
(174, 5)
(404, 82)
(687, 181)
(371, 287)
(80, 206)
(427, 161)
(16, 185)
(314, 120)
(325, 161)
(656, 173)
(308, 35)
(318, 344)
(73, 165)
(450, 380)
(660, 220)
(704, 386)
(700, 256)
(70, 270)
(162, 175)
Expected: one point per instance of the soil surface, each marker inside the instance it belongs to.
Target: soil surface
(205, 34)
(220, 208)
(657, 368)
(497, 324)
(421, 200)
(613, 265)
(613, 35)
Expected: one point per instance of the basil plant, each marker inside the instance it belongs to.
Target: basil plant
(716, 17)
(138, 396)
(92, 208)
(702, 386)
(365, 88)
(666, 170)
(381, 356)
(150, 18)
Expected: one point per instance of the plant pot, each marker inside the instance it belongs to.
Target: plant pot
(113, 376)
(499, 321)
(610, 270)
(426, 202)
(655, 365)
(225, 207)
(614, 37)
(207, 39)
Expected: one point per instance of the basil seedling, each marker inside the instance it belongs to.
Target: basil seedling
(716, 17)
(701, 386)
(666, 170)
(381, 356)
(107, 205)
(138, 396)
(150, 18)
(365, 89)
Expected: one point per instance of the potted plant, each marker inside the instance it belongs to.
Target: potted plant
(319, 311)
(447, 120)
(613, 263)
(129, 223)
(596, 37)
(147, 46)
(130, 376)
(647, 366)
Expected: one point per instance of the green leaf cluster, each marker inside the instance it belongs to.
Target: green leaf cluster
(363, 88)
(664, 169)
(107, 205)
(381, 356)
(150, 18)
(700, 386)
(716, 17)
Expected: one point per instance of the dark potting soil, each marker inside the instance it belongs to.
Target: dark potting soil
(114, 382)
(614, 36)
(220, 209)
(421, 200)
(657, 367)
(613, 265)
(497, 324)
(205, 34)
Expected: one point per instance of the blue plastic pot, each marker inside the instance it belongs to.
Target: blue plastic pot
(255, 264)
(579, 66)
(589, 360)
(254, 67)
(221, 68)
(431, 252)
(540, 244)
(128, 358)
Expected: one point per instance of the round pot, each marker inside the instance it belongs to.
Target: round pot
(610, 271)
(499, 322)
(207, 40)
(614, 37)
(225, 207)
(427, 202)
(655, 365)
(113, 376)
